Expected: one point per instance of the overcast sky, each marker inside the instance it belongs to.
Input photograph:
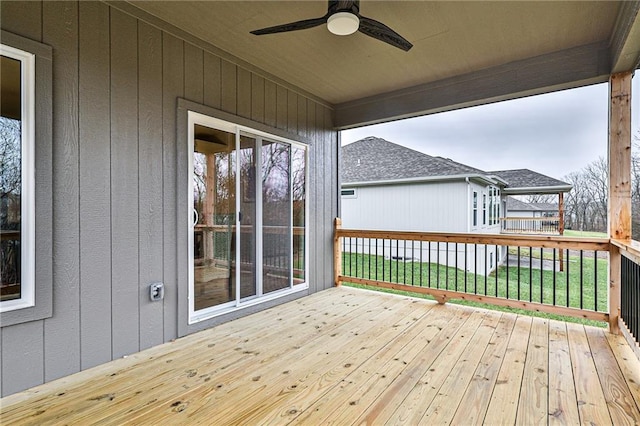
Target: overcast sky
(554, 134)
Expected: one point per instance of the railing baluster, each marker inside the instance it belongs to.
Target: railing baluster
(507, 273)
(466, 268)
(531, 273)
(595, 280)
(554, 276)
(581, 279)
(356, 257)
(541, 275)
(518, 281)
(429, 264)
(566, 271)
(413, 266)
(455, 286)
(475, 269)
(497, 270)
(383, 258)
(486, 249)
(437, 264)
(446, 266)
(420, 263)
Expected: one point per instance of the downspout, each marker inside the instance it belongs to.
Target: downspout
(468, 204)
(469, 201)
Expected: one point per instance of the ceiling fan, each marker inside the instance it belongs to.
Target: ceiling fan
(343, 18)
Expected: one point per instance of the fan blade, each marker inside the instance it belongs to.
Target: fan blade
(380, 31)
(292, 26)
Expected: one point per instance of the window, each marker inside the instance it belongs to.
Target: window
(348, 193)
(484, 209)
(491, 206)
(17, 182)
(475, 208)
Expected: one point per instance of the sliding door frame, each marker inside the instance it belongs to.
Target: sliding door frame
(239, 130)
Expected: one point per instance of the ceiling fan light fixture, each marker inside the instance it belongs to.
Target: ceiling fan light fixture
(343, 23)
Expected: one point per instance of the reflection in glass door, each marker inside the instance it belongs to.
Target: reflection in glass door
(214, 217)
(276, 216)
(248, 217)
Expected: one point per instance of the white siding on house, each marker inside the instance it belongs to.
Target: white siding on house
(426, 207)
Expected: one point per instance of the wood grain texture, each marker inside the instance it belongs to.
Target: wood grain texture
(212, 80)
(563, 406)
(193, 73)
(503, 406)
(341, 356)
(589, 393)
(622, 407)
(620, 156)
(95, 180)
(172, 89)
(533, 404)
(62, 331)
(124, 185)
(475, 401)
(150, 201)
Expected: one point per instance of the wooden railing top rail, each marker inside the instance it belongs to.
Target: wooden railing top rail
(551, 241)
(628, 248)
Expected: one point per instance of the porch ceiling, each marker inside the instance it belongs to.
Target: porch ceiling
(496, 50)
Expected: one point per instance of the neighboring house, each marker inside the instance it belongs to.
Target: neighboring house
(388, 186)
(520, 209)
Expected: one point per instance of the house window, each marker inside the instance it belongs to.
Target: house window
(348, 193)
(475, 208)
(484, 209)
(17, 185)
(491, 206)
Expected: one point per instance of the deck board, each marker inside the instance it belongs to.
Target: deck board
(349, 356)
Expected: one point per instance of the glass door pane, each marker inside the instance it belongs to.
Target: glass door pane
(276, 216)
(298, 185)
(214, 203)
(248, 216)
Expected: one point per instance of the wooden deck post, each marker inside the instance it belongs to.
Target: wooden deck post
(619, 182)
(337, 253)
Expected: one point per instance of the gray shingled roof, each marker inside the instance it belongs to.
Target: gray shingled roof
(525, 178)
(374, 159)
(517, 205)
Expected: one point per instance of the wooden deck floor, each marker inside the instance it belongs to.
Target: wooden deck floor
(347, 356)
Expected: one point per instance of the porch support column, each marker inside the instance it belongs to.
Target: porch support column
(561, 213)
(619, 182)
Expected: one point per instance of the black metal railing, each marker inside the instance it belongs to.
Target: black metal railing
(558, 275)
(630, 296)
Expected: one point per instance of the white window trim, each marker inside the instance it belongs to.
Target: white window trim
(237, 304)
(27, 213)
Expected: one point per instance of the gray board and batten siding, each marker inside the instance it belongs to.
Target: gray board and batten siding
(117, 165)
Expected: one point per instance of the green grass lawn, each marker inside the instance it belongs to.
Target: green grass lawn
(584, 234)
(533, 285)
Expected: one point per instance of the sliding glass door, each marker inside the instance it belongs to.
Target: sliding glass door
(248, 237)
